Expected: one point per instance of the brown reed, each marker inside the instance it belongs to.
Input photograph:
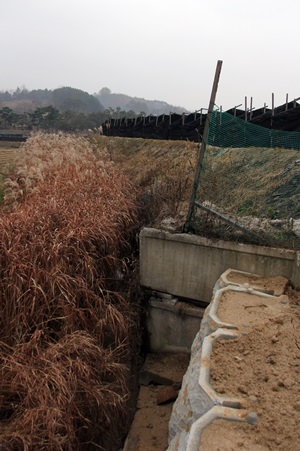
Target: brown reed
(65, 334)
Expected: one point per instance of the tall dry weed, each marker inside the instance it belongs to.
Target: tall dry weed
(164, 172)
(65, 334)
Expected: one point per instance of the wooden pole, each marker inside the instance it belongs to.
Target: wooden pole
(286, 102)
(203, 145)
(273, 110)
(237, 106)
(295, 102)
(245, 109)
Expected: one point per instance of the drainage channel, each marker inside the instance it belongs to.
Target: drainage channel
(171, 325)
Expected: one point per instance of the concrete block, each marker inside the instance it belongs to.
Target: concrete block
(188, 266)
(172, 325)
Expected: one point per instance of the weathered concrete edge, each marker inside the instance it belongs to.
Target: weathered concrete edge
(287, 254)
(204, 376)
(217, 412)
(187, 266)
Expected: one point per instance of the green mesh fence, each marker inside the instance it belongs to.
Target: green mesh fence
(249, 185)
(228, 131)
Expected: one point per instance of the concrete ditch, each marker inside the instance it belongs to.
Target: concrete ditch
(240, 300)
(171, 324)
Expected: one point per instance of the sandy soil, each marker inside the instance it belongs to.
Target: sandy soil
(252, 310)
(262, 368)
(271, 285)
(149, 429)
(232, 435)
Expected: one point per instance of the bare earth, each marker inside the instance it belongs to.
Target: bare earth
(253, 310)
(149, 429)
(272, 285)
(263, 369)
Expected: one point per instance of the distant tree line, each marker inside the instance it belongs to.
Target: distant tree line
(50, 118)
(64, 99)
(66, 109)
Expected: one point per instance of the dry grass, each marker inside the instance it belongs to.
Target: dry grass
(243, 180)
(8, 155)
(61, 395)
(252, 186)
(65, 334)
(164, 171)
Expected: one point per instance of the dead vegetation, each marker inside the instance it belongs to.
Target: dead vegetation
(257, 188)
(67, 339)
(69, 329)
(164, 171)
(247, 181)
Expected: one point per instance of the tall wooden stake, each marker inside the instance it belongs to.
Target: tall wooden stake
(273, 110)
(203, 145)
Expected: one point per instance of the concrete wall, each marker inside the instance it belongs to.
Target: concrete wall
(188, 266)
(171, 325)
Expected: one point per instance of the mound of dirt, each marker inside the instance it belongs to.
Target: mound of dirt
(262, 368)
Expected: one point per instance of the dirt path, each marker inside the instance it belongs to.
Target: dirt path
(160, 380)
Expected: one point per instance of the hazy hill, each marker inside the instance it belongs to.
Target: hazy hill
(64, 99)
(70, 99)
(112, 100)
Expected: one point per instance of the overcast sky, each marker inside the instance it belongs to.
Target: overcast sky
(159, 49)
